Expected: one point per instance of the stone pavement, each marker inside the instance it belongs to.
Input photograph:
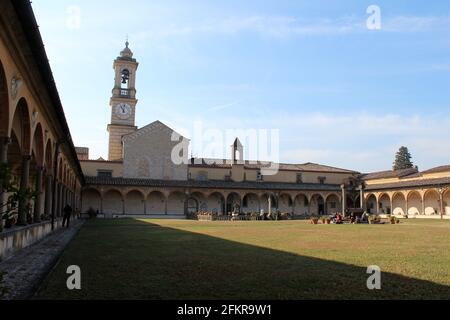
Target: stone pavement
(28, 268)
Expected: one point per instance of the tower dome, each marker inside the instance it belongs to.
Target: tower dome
(126, 53)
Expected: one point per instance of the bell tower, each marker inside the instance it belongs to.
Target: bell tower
(123, 102)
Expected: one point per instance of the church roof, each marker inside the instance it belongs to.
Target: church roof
(154, 126)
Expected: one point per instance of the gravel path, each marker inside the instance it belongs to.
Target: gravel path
(27, 269)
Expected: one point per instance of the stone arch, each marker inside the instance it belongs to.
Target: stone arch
(251, 203)
(372, 204)
(233, 201)
(301, 204)
(285, 203)
(201, 200)
(432, 202)
(60, 169)
(4, 104)
(155, 203)
(414, 203)
(216, 203)
(15, 155)
(317, 204)
(192, 205)
(265, 202)
(176, 203)
(113, 202)
(446, 201)
(38, 145)
(135, 203)
(332, 204)
(92, 199)
(22, 127)
(384, 203)
(358, 202)
(399, 204)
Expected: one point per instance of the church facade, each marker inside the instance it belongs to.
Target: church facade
(140, 177)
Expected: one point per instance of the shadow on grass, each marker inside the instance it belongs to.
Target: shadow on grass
(130, 259)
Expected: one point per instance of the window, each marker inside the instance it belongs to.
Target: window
(299, 177)
(259, 176)
(202, 176)
(322, 180)
(104, 173)
(333, 205)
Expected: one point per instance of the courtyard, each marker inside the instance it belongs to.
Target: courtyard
(183, 259)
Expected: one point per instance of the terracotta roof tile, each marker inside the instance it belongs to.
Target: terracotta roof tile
(444, 182)
(390, 174)
(212, 184)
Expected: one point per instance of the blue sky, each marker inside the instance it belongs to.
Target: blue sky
(340, 94)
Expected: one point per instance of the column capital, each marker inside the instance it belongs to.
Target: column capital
(26, 157)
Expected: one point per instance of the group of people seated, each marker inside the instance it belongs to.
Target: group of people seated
(338, 218)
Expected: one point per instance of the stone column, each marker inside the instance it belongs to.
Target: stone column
(441, 201)
(4, 142)
(38, 201)
(55, 199)
(48, 194)
(361, 197)
(270, 206)
(24, 179)
(423, 206)
(60, 200)
(406, 203)
(344, 200)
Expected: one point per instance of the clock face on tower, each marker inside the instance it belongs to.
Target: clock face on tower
(123, 111)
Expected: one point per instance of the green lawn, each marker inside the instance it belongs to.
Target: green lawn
(165, 259)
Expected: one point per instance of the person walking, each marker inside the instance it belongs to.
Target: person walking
(67, 215)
